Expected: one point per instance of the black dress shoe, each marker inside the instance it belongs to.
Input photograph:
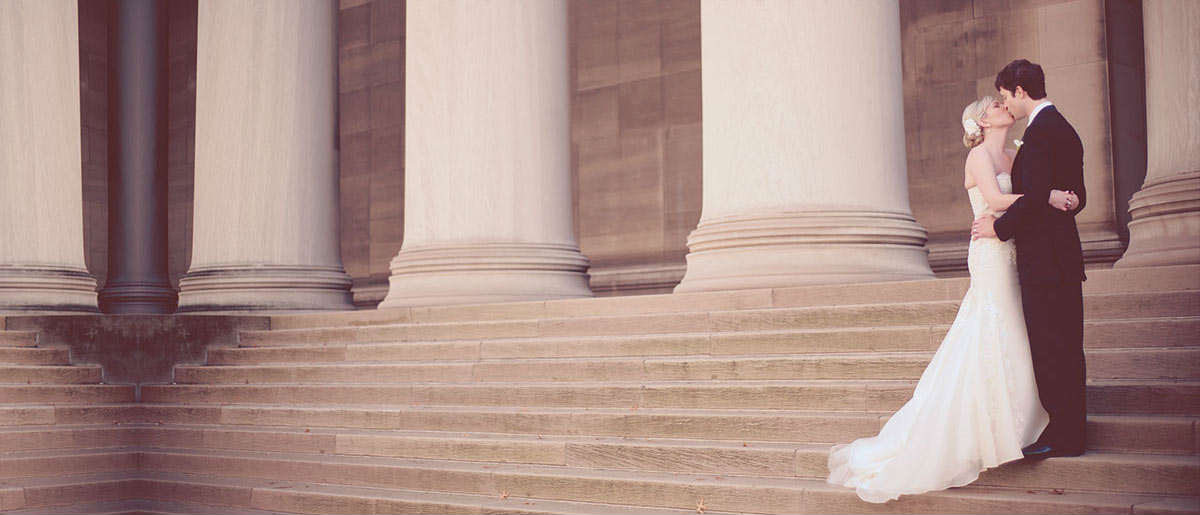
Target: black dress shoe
(1042, 451)
(1037, 451)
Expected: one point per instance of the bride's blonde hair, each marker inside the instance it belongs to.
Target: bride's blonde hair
(971, 116)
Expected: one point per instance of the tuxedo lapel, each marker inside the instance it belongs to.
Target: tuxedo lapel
(1031, 133)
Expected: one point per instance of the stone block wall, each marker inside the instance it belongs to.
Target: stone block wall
(371, 134)
(93, 104)
(952, 51)
(635, 139)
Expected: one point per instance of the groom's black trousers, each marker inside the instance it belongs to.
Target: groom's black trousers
(1054, 318)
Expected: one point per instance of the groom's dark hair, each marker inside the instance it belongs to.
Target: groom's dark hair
(1025, 74)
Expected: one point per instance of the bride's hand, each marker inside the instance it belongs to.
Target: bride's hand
(1063, 200)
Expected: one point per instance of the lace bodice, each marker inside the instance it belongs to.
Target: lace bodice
(979, 205)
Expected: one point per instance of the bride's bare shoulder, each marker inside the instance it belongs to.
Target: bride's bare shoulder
(976, 158)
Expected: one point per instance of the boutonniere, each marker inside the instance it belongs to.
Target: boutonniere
(1018, 143)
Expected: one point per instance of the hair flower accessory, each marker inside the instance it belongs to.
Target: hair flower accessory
(1018, 143)
(971, 127)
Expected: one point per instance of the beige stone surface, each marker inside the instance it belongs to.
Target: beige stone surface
(42, 263)
(487, 183)
(1165, 229)
(803, 182)
(93, 103)
(951, 54)
(371, 133)
(265, 233)
(635, 137)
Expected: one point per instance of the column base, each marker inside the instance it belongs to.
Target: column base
(801, 248)
(486, 272)
(1165, 225)
(47, 288)
(948, 251)
(264, 288)
(129, 297)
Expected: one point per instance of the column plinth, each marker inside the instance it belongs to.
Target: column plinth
(1165, 225)
(41, 191)
(805, 180)
(265, 230)
(768, 250)
(487, 213)
(1165, 229)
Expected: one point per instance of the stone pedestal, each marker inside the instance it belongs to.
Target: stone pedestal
(265, 230)
(1165, 226)
(137, 178)
(804, 162)
(41, 204)
(487, 206)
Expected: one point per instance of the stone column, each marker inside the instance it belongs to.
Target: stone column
(487, 213)
(805, 179)
(137, 174)
(265, 230)
(41, 190)
(1165, 226)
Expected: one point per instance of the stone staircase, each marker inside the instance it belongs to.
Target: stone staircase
(712, 402)
(51, 451)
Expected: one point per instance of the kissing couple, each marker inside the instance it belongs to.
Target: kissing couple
(1007, 382)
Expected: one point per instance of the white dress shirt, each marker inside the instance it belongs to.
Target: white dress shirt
(1036, 110)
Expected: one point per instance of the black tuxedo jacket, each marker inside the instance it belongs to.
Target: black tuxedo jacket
(1050, 157)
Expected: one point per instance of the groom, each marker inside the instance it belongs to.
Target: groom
(1049, 257)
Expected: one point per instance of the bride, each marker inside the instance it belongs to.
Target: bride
(976, 404)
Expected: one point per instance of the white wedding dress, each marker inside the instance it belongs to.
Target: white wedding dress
(976, 404)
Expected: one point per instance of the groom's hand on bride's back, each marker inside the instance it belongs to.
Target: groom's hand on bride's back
(983, 227)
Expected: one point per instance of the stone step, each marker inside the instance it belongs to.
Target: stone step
(1148, 434)
(16, 416)
(1145, 332)
(18, 338)
(96, 436)
(50, 463)
(1098, 471)
(39, 394)
(249, 495)
(638, 488)
(139, 506)
(52, 494)
(1149, 397)
(1152, 279)
(1102, 364)
(34, 356)
(124, 507)
(1096, 307)
(1158, 397)
(50, 374)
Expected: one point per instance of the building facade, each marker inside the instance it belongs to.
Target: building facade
(299, 156)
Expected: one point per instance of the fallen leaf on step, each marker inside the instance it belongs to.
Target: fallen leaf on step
(700, 506)
(1059, 491)
(504, 494)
